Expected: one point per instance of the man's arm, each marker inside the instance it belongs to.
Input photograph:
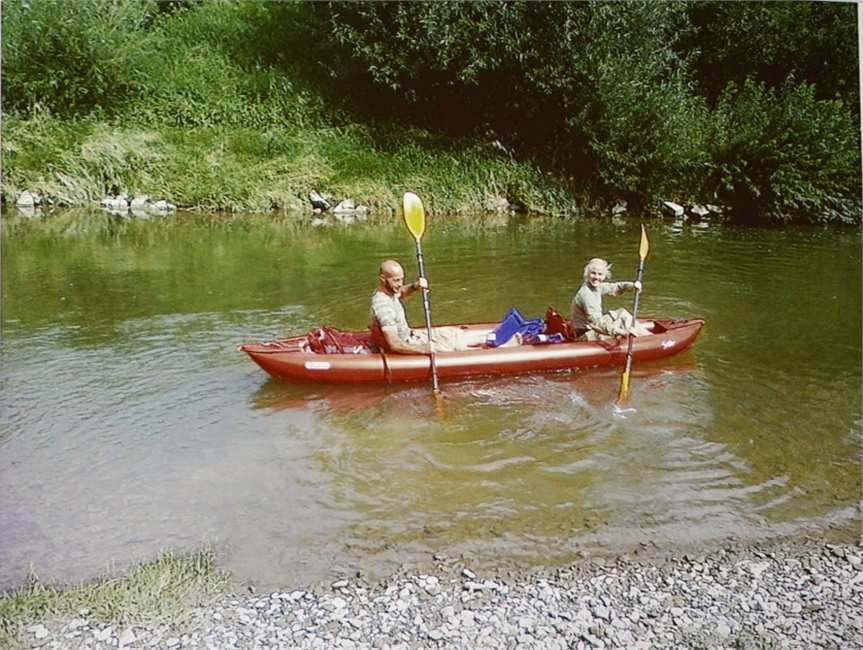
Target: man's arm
(413, 287)
(397, 345)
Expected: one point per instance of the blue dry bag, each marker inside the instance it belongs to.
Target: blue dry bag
(514, 323)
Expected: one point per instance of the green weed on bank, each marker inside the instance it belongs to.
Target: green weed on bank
(245, 169)
(165, 592)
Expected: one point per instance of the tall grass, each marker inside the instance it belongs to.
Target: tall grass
(244, 169)
(166, 592)
(218, 111)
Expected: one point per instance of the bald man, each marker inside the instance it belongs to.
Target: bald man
(389, 323)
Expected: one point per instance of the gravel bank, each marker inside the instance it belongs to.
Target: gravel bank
(782, 595)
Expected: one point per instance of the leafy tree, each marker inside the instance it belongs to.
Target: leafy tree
(816, 42)
(784, 154)
(594, 87)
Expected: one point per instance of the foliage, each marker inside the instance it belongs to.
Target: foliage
(594, 87)
(70, 57)
(218, 65)
(695, 101)
(816, 42)
(785, 154)
(238, 168)
(644, 125)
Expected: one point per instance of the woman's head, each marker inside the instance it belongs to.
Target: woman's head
(597, 268)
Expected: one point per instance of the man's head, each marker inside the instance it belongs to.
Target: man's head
(596, 271)
(391, 277)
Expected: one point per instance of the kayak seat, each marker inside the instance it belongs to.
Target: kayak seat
(329, 340)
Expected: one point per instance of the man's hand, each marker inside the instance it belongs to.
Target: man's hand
(416, 285)
(638, 285)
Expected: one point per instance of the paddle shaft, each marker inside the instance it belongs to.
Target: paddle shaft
(634, 317)
(427, 312)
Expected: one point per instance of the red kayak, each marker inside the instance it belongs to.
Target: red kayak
(326, 355)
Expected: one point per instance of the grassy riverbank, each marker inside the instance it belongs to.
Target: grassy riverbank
(166, 592)
(213, 107)
(234, 168)
(247, 105)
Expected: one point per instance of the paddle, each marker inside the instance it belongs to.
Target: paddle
(643, 248)
(415, 220)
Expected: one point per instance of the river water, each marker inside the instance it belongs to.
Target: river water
(130, 423)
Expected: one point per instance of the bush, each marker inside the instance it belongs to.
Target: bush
(70, 56)
(768, 41)
(643, 121)
(785, 154)
(220, 64)
(594, 89)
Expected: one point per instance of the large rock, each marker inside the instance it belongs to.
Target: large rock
(698, 211)
(496, 204)
(116, 204)
(318, 201)
(672, 208)
(345, 207)
(619, 207)
(348, 212)
(162, 207)
(27, 200)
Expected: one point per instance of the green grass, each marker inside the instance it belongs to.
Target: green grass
(239, 105)
(219, 113)
(165, 592)
(234, 168)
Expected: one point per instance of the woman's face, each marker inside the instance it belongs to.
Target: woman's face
(596, 275)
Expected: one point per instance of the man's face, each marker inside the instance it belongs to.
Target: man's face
(393, 280)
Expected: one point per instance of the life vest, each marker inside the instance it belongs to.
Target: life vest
(555, 323)
(378, 338)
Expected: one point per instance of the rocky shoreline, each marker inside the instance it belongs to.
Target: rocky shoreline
(790, 594)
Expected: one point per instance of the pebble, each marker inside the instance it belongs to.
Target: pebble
(793, 595)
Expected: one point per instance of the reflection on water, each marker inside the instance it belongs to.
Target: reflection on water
(130, 422)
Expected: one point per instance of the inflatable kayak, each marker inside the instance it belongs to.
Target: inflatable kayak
(326, 355)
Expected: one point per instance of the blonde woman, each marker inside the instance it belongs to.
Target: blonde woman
(588, 320)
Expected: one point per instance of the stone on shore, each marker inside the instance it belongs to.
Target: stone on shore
(674, 209)
(802, 595)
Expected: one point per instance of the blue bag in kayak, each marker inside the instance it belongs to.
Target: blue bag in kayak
(515, 323)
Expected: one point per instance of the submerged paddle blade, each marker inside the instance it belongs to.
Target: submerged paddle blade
(414, 214)
(438, 402)
(623, 394)
(644, 247)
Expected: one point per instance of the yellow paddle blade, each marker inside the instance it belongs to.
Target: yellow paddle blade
(415, 216)
(438, 402)
(645, 245)
(623, 393)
